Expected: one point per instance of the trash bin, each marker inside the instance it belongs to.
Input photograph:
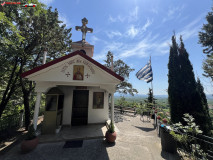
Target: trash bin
(168, 143)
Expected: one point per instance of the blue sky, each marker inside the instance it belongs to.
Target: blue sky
(135, 29)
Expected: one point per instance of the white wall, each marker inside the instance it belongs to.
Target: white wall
(98, 115)
(94, 115)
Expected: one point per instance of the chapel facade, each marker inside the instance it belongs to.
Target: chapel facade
(77, 88)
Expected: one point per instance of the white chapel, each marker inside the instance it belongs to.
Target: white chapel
(77, 87)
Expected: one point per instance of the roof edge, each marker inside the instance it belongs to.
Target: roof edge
(36, 69)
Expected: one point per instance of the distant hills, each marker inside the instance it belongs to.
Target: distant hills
(208, 96)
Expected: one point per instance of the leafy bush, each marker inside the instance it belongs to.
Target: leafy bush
(184, 135)
(111, 127)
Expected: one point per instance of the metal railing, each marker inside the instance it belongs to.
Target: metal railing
(205, 142)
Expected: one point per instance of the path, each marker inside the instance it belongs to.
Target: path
(136, 140)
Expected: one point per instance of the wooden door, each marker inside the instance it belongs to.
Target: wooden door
(80, 107)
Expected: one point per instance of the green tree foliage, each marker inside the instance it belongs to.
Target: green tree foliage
(40, 28)
(206, 119)
(206, 39)
(150, 100)
(173, 83)
(9, 68)
(185, 94)
(123, 70)
(184, 137)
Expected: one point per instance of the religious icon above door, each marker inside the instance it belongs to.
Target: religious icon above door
(78, 72)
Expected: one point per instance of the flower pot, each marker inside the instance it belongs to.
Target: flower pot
(165, 121)
(158, 117)
(110, 137)
(29, 145)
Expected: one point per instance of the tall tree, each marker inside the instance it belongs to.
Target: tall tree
(189, 97)
(205, 116)
(150, 100)
(173, 82)
(123, 70)
(9, 68)
(40, 28)
(187, 94)
(206, 39)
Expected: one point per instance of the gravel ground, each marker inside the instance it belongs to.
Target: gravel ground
(136, 140)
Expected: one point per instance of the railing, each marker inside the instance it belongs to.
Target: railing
(205, 142)
(125, 109)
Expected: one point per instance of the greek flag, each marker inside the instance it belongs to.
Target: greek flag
(145, 73)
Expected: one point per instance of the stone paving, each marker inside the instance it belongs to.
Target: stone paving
(136, 140)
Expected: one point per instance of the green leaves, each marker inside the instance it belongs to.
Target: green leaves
(123, 70)
(183, 134)
(206, 39)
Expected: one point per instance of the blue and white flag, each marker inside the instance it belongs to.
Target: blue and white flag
(145, 73)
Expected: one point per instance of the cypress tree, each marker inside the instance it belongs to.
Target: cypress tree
(185, 94)
(205, 116)
(189, 97)
(173, 82)
(150, 100)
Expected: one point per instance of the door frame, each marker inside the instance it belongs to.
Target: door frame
(86, 90)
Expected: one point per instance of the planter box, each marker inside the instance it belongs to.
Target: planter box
(167, 141)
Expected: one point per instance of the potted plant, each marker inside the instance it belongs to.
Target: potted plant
(111, 134)
(158, 117)
(165, 121)
(30, 142)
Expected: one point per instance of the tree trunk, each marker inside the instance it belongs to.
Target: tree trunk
(27, 109)
(10, 88)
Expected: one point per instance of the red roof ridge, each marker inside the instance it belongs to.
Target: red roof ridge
(36, 69)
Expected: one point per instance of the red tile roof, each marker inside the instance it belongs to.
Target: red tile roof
(27, 73)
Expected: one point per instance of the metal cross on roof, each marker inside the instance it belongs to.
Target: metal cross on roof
(84, 29)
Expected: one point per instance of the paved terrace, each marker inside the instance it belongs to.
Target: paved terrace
(136, 140)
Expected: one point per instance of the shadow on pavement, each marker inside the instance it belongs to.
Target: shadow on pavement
(145, 129)
(170, 156)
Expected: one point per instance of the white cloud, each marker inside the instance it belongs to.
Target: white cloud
(132, 31)
(111, 19)
(109, 46)
(133, 15)
(118, 18)
(173, 12)
(112, 34)
(191, 29)
(63, 18)
(47, 2)
(149, 45)
(145, 47)
(146, 25)
(94, 39)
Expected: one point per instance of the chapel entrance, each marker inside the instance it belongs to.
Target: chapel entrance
(80, 107)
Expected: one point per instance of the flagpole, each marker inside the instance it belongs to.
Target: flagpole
(151, 82)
